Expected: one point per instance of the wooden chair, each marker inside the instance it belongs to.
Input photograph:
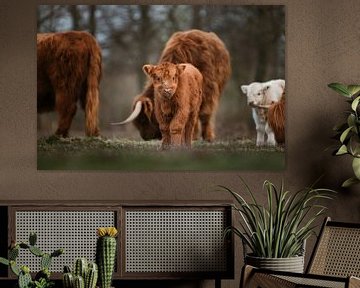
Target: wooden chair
(335, 262)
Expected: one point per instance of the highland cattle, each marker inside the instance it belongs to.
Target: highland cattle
(259, 97)
(208, 54)
(177, 99)
(68, 72)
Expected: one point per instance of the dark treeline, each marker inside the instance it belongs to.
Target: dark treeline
(133, 35)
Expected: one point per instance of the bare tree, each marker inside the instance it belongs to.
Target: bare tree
(171, 15)
(267, 40)
(92, 19)
(75, 17)
(48, 16)
(196, 17)
(144, 37)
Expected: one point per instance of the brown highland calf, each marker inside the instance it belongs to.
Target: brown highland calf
(207, 53)
(69, 70)
(178, 96)
(276, 119)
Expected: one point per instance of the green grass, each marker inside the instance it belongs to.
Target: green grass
(80, 153)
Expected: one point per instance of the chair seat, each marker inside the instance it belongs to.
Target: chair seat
(263, 278)
(315, 282)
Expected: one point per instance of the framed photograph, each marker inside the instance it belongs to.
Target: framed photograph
(161, 87)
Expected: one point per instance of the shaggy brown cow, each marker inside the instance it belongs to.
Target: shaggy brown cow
(276, 119)
(178, 96)
(208, 54)
(68, 70)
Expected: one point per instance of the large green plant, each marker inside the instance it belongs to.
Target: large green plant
(348, 132)
(279, 229)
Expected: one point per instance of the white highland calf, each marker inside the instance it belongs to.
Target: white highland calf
(259, 96)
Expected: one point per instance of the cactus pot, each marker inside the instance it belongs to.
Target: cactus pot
(291, 264)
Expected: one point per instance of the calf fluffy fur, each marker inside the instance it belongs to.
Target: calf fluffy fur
(178, 97)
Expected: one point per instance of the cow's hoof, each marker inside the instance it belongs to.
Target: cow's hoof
(209, 137)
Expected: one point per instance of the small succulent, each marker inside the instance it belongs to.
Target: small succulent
(348, 133)
(43, 283)
(84, 275)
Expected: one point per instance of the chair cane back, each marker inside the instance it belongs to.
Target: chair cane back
(334, 263)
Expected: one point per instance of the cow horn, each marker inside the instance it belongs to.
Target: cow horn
(133, 115)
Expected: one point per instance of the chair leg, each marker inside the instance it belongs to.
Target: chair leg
(217, 283)
(250, 278)
(246, 273)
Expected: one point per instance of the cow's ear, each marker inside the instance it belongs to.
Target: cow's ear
(148, 69)
(181, 68)
(244, 88)
(282, 84)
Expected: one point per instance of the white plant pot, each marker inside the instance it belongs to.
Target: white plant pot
(291, 264)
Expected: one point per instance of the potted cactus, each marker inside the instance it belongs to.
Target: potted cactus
(42, 278)
(106, 254)
(84, 275)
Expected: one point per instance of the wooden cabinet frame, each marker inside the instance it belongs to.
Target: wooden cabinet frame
(120, 209)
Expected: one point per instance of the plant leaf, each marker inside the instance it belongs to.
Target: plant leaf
(4, 261)
(340, 88)
(353, 89)
(356, 167)
(351, 119)
(355, 103)
(349, 182)
(342, 150)
(345, 134)
(14, 268)
(355, 145)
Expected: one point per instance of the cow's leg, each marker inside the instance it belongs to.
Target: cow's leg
(177, 127)
(176, 134)
(260, 128)
(207, 112)
(164, 123)
(189, 129)
(66, 112)
(270, 135)
(183, 139)
(166, 139)
(165, 134)
(260, 137)
(207, 128)
(195, 135)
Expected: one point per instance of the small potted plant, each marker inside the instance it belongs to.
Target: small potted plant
(84, 274)
(42, 278)
(106, 254)
(348, 133)
(275, 234)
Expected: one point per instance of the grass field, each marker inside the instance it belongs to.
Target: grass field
(81, 153)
